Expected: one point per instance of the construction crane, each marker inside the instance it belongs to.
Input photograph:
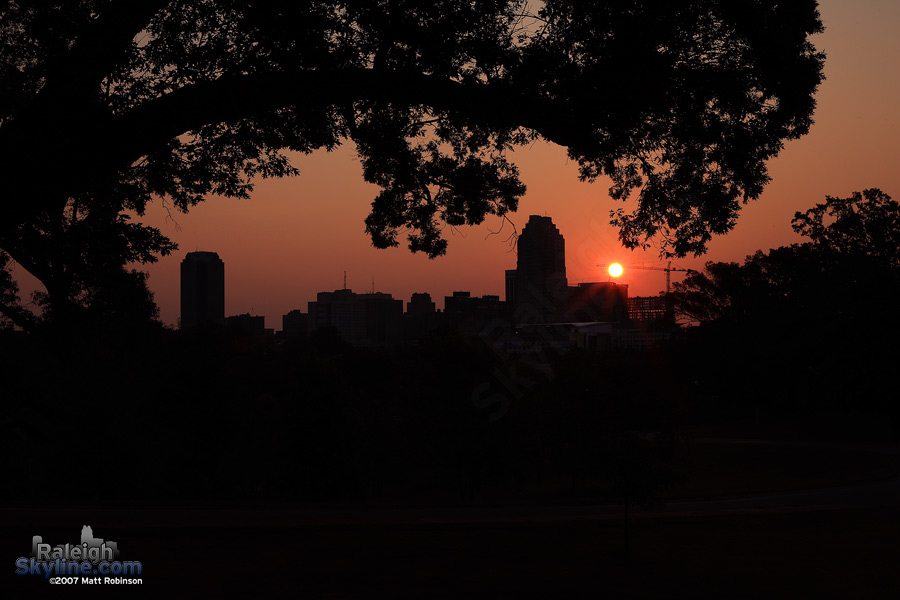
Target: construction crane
(668, 269)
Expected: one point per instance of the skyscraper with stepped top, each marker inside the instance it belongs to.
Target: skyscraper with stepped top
(541, 291)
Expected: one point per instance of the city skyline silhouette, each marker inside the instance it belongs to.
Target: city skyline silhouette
(536, 292)
(326, 284)
(314, 221)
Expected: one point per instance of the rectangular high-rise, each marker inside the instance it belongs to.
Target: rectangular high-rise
(361, 319)
(598, 301)
(541, 292)
(202, 289)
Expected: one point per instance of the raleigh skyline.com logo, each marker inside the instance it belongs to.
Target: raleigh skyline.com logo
(89, 563)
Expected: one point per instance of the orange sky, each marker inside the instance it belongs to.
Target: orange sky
(296, 237)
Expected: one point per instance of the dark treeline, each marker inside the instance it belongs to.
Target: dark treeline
(213, 419)
(134, 412)
(810, 326)
(206, 418)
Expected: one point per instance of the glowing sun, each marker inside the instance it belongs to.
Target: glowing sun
(616, 270)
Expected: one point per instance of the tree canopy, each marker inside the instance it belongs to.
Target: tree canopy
(806, 326)
(845, 271)
(866, 224)
(679, 103)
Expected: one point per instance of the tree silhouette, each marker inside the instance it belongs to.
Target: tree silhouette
(80, 256)
(12, 312)
(853, 252)
(245, 80)
(814, 317)
(866, 224)
(680, 103)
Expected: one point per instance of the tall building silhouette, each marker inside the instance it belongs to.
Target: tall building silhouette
(202, 289)
(372, 319)
(598, 301)
(510, 287)
(247, 324)
(421, 317)
(384, 319)
(342, 310)
(466, 314)
(295, 323)
(540, 286)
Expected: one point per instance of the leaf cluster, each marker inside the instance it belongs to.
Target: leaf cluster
(116, 104)
(680, 104)
(852, 254)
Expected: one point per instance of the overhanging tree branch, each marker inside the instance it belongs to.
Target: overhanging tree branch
(118, 142)
(712, 89)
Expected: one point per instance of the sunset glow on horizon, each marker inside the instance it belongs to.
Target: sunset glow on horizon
(398, 296)
(297, 236)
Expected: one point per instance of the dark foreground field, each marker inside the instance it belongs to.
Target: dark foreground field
(839, 553)
(755, 520)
